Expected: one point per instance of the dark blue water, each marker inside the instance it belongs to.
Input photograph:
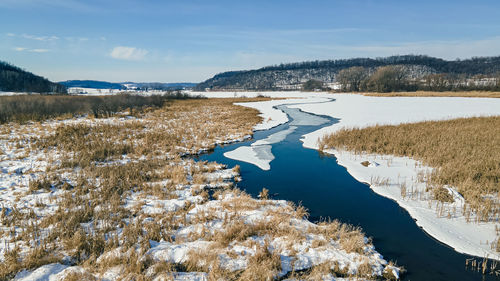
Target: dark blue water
(327, 190)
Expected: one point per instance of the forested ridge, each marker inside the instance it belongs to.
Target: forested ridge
(415, 67)
(15, 79)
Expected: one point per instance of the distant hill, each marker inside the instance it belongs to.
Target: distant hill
(92, 84)
(15, 79)
(127, 85)
(293, 75)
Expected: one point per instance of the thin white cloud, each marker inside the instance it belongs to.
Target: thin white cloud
(39, 50)
(23, 49)
(76, 39)
(128, 53)
(34, 37)
(40, 38)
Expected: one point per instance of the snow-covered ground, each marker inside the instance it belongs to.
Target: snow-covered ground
(388, 174)
(92, 91)
(15, 93)
(199, 221)
(110, 92)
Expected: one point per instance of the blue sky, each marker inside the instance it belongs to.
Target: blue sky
(173, 41)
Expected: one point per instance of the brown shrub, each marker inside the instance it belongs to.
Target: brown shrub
(441, 194)
(263, 265)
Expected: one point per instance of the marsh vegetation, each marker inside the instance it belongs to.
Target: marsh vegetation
(115, 196)
(24, 108)
(464, 153)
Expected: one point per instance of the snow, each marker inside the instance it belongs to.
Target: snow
(273, 116)
(386, 174)
(110, 92)
(176, 253)
(49, 272)
(259, 153)
(259, 156)
(189, 276)
(253, 94)
(16, 93)
(57, 271)
(364, 111)
(93, 92)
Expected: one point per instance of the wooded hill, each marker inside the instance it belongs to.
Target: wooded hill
(92, 84)
(15, 79)
(292, 75)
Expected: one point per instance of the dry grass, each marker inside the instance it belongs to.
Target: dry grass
(467, 94)
(24, 108)
(152, 144)
(79, 276)
(465, 153)
(350, 238)
(263, 265)
(98, 167)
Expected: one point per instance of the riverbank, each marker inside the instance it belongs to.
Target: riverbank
(397, 178)
(460, 152)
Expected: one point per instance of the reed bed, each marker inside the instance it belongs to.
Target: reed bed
(465, 153)
(24, 108)
(99, 201)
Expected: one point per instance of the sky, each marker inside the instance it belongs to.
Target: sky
(190, 40)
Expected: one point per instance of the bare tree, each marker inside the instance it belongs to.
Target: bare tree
(388, 79)
(352, 77)
(437, 82)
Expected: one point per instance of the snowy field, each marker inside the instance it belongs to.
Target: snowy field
(388, 174)
(110, 92)
(15, 93)
(181, 213)
(92, 92)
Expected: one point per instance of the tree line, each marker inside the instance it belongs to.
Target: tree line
(454, 74)
(472, 66)
(396, 78)
(14, 79)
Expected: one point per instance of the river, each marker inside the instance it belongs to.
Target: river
(328, 191)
